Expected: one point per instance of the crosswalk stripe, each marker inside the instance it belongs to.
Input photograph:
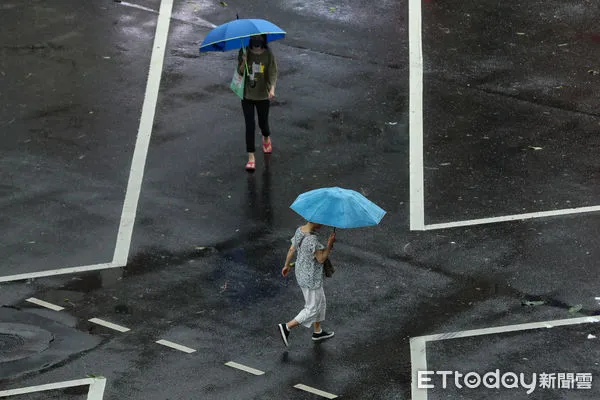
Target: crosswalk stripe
(315, 391)
(44, 304)
(109, 325)
(244, 368)
(175, 346)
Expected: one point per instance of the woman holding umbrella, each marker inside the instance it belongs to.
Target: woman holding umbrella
(259, 89)
(256, 63)
(309, 275)
(336, 207)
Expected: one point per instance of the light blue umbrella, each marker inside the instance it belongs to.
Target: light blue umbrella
(236, 34)
(337, 207)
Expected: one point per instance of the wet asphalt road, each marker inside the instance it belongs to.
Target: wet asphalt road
(511, 126)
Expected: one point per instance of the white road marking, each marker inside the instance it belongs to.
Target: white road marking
(96, 388)
(60, 271)
(417, 199)
(515, 217)
(124, 3)
(136, 173)
(418, 353)
(175, 346)
(139, 157)
(44, 304)
(110, 325)
(244, 368)
(315, 391)
(416, 166)
(197, 20)
(418, 362)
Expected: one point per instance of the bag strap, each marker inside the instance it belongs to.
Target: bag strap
(246, 72)
(303, 237)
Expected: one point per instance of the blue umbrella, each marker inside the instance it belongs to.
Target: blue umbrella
(236, 34)
(337, 207)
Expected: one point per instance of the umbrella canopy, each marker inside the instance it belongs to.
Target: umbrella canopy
(236, 34)
(337, 207)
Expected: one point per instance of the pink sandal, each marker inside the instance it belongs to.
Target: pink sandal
(267, 148)
(250, 166)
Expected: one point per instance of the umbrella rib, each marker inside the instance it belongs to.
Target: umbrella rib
(367, 211)
(316, 211)
(241, 37)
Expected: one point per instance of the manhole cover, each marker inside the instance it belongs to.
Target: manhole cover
(10, 342)
(19, 341)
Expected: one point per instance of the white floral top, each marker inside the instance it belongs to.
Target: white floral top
(309, 272)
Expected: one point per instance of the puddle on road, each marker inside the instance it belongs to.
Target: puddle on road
(94, 280)
(477, 291)
(156, 259)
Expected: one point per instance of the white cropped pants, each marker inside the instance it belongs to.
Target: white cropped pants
(314, 307)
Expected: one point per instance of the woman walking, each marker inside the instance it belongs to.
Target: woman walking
(309, 275)
(259, 89)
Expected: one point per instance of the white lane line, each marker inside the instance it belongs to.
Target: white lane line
(418, 353)
(136, 173)
(199, 21)
(416, 167)
(315, 391)
(244, 368)
(110, 325)
(418, 361)
(417, 199)
(97, 389)
(137, 167)
(44, 304)
(175, 346)
(60, 271)
(124, 3)
(515, 217)
(50, 386)
(511, 328)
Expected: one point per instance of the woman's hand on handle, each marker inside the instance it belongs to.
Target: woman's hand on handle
(331, 240)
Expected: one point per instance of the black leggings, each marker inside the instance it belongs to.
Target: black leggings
(262, 110)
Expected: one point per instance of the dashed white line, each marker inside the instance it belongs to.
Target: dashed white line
(175, 346)
(244, 368)
(43, 303)
(315, 391)
(110, 325)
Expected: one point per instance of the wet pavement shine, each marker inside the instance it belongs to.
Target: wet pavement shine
(510, 127)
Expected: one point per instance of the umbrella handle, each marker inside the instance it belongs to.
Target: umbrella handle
(246, 61)
(333, 232)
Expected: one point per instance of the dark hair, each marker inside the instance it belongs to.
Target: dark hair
(264, 41)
